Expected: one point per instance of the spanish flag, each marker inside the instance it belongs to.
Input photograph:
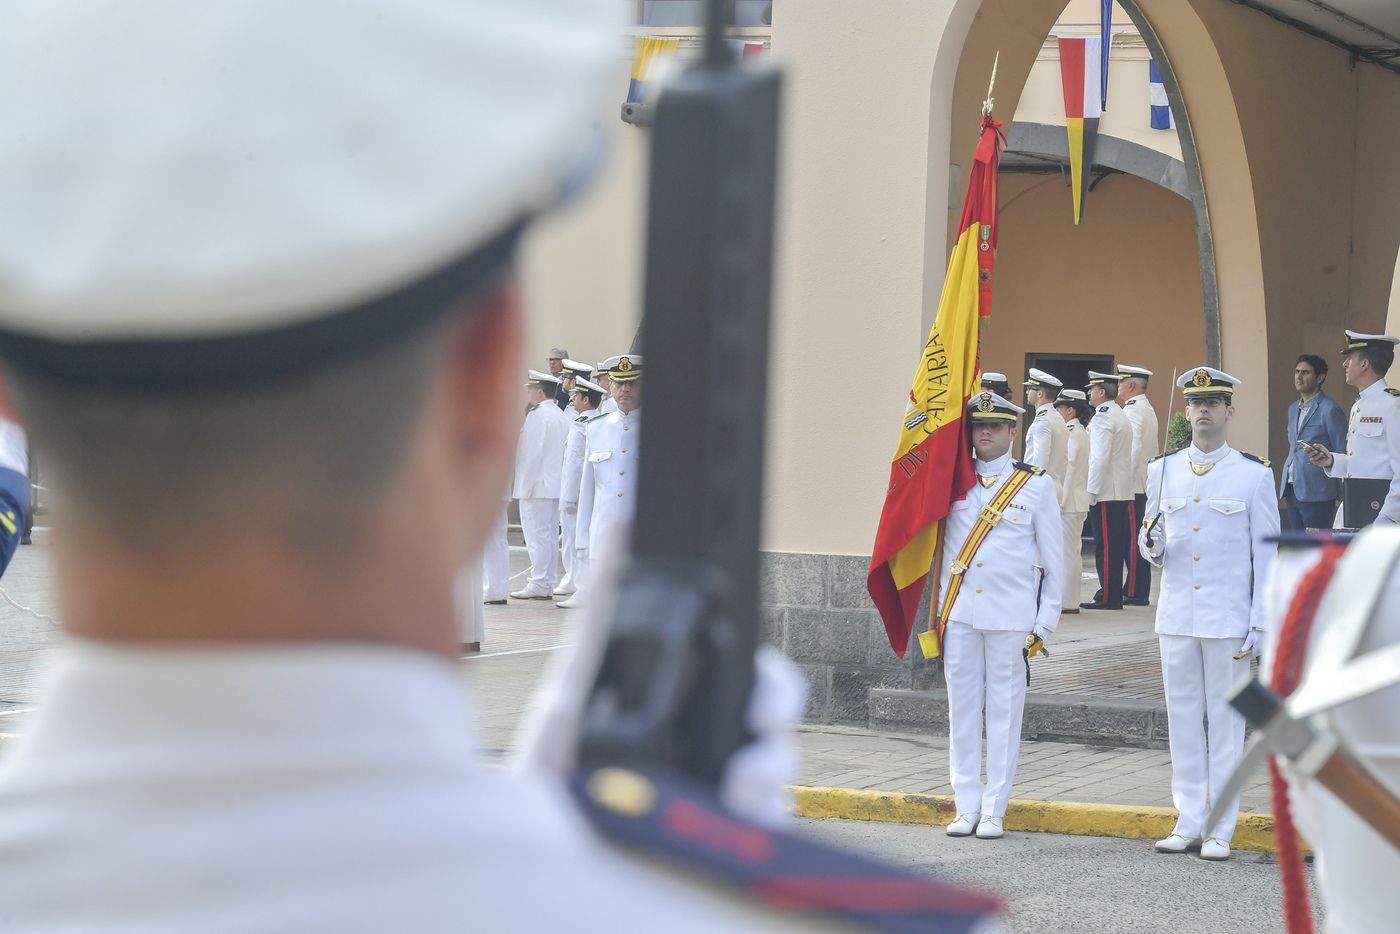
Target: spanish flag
(648, 51)
(932, 465)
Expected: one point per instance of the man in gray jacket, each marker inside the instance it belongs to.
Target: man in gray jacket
(1308, 493)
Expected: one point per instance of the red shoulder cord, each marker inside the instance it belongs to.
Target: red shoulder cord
(1289, 657)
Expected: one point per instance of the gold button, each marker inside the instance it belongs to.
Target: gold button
(1195, 528)
(1195, 557)
(979, 564)
(622, 473)
(1197, 586)
(619, 496)
(1198, 499)
(979, 589)
(624, 450)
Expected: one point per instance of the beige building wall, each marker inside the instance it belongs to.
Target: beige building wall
(1126, 287)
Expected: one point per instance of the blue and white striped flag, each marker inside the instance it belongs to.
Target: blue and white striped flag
(1157, 97)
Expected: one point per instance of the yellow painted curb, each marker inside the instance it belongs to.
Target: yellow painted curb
(1255, 831)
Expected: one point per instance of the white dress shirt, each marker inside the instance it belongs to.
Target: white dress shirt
(996, 592)
(1110, 454)
(1047, 443)
(1142, 418)
(1214, 547)
(1373, 444)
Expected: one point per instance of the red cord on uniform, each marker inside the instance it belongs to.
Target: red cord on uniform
(1289, 657)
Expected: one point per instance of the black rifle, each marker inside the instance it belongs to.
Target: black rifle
(677, 670)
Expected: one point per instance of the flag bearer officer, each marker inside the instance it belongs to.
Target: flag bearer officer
(1132, 390)
(1210, 530)
(989, 604)
(1373, 430)
(1074, 498)
(1047, 440)
(1110, 489)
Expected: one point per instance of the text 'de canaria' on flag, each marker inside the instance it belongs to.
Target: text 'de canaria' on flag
(1157, 98)
(1080, 66)
(648, 52)
(932, 465)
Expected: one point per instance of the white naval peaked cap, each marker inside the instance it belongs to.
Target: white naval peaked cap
(177, 171)
(573, 366)
(994, 377)
(988, 406)
(582, 383)
(1127, 372)
(610, 362)
(1359, 341)
(1071, 395)
(1042, 378)
(1207, 381)
(1096, 378)
(543, 380)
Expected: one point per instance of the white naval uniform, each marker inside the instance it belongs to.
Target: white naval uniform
(184, 801)
(987, 628)
(495, 559)
(607, 490)
(466, 595)
(1074, 507)
(1110, 454)
(1143, 421)
(1355, 867)
(1047, 444)
(539, 461)
(1214, 551)
(608, 406)
(570, 477)
(1373, 446)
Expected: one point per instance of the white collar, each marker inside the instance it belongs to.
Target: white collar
(1376, 387)
(1201, 457)
(992, 468)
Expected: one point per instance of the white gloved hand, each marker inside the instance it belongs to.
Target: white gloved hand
(756, 778)
(1251, 643)
(1152, 552)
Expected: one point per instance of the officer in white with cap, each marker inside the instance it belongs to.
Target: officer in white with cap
(994, 616)
(587, 397)
(600, 376)
(1110, 489)
(608, 486)
(997, 383)
(1072, 405)
(1211, 519)
(1132, 392)
(539, 462)
(1373, 429)
(1047, 439)
(265, 330)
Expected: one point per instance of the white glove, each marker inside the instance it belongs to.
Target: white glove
(756, 778)
(1251, 643)
(1155, 550)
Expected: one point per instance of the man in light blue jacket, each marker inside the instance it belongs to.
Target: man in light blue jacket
(1308, 493)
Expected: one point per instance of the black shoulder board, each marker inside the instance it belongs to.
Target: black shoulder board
(1256, 458)
(1131, 401)
(1035, 470)
(1043, 411)
(663, 818)
(1104, 407)
(1393, 392)
(1167, 454)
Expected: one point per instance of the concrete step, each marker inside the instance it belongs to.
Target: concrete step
(1049, 717)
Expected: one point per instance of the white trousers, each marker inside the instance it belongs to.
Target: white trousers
(568, 521)
(539, 520)
(1073, 523)
(986, 674)
(1198, 675)
(495, 561)
(471, 615)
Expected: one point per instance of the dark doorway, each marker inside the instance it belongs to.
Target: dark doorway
(1072, 369)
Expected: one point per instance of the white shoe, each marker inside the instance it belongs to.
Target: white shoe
(989, 828)
(528, 594)
(570, 604)
(1177, 843)
(565, 590)
(963, 826)
(1215, 849)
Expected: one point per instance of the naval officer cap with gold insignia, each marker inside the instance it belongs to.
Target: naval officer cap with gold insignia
(987, 406)
(203, 195)
(1099, 379)
(627, 368)
(586, 386)
(573, 369)
(1359, 341)
(1133, 372)
(1039, 379)
(1206, 382)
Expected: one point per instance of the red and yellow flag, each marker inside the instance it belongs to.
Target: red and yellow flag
(932, 465)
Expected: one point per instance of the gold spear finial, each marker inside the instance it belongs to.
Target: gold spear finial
(987, 104)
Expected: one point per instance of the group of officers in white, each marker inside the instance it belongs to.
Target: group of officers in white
(1206, 516)
(575, 476)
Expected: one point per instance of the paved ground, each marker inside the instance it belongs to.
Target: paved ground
(521, 637)
(1053, 884)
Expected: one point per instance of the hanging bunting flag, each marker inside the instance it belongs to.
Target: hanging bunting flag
(1157, 98)
(1105, 44)
(1080, 67)
(648, 51)
(747, 49)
